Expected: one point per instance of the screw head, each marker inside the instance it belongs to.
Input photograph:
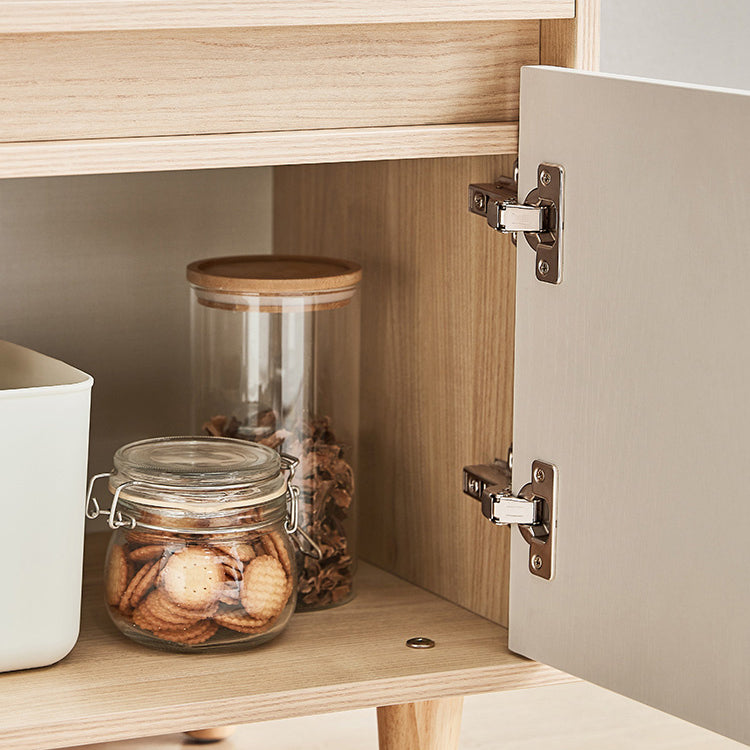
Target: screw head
(420, 642)
(474, 486)
(545, 177)
(543, 267)
(539, 474)
(536, 562)
(479, 201)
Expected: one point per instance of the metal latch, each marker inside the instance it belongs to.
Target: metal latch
(539, 217)
(533, 509)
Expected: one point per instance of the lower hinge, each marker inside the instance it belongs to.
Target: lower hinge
(539, 217)
(534, 509)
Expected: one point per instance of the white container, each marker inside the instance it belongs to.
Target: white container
(44, 414)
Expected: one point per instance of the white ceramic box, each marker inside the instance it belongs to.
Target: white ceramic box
(44, 419)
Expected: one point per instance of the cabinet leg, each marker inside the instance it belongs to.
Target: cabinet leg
(211, 735)
(426, 725)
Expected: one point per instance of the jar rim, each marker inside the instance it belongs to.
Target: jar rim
(198, 462)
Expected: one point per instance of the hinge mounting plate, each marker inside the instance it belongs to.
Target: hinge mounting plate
(534, 509)
(539, 217)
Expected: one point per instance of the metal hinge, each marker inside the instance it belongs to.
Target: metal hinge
(533, 509)
(539, 217)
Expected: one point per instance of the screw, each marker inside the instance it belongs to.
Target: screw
(543, 267)
(420, 642)
(537, 562)
(474, 486)
(539, 474)
(545, 177)
(479, 201)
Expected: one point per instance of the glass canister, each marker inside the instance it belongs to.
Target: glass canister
(275, 347)
(200, 558)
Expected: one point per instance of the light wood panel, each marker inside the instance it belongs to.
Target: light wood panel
(574, 42)
(197, 81)
(437, 357)
(353, 656)
(104, 15)
(49, 158)
(425, 725)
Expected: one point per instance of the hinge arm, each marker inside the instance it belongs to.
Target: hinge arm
(534, 509)
(499, 204)
(539, 216)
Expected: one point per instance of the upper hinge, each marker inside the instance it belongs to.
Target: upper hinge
(539, 217)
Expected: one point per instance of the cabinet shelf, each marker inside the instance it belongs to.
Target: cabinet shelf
(34, 16)
(161, 153)
(351, 657)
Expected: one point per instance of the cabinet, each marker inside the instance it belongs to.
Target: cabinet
(356, 113)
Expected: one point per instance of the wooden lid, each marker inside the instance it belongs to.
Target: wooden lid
(274, 274)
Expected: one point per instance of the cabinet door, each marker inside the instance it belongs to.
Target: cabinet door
(633, 378)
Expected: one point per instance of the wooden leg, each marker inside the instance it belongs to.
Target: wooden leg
(211, 735)
(427, 725)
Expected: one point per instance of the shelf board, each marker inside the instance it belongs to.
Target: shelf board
(162, 153)
(35, 16)
(355, 656)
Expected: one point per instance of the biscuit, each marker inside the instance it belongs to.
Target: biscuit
(264, 587)
(230, 594)
(192, 636)
(240, 621)
(159, 607)
(146, 583)
(125, 605)
(281, 552)
(118, 573)
(193, 578)
(242, 552)
(146, 553)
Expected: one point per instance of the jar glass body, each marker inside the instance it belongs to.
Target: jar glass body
(194, 566)
(282, 370)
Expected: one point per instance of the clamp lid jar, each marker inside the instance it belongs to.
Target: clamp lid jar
(201, 556)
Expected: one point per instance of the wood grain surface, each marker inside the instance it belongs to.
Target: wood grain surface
(425, 725)
(437, 357)
(574, 42)
(96, 156)
(197, 81)
(353, 656)
(103, 15)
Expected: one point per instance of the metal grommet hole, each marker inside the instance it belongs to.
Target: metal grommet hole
(420, 642)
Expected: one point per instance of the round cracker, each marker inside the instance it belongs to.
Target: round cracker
(282, 552)
(264, 587)
(193, 578)
(240, 621)
(146, 553)
(192, 636)
(116, 580)
(242, 552)
(126, 606)
(146, 583)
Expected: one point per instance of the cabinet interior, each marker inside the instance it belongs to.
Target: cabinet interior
(437, 357)
(101, 89)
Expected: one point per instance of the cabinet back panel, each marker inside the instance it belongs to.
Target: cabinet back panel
(197, 81)
(94, 274)
(437, 357)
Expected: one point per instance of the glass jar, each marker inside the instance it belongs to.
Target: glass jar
(275, 348)
(200, 558)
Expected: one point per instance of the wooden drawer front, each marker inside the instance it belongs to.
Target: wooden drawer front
(115, 84)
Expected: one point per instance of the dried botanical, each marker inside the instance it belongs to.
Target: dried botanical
(326, 483)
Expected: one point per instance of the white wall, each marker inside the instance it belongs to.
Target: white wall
(93, 273)
(694, 41)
